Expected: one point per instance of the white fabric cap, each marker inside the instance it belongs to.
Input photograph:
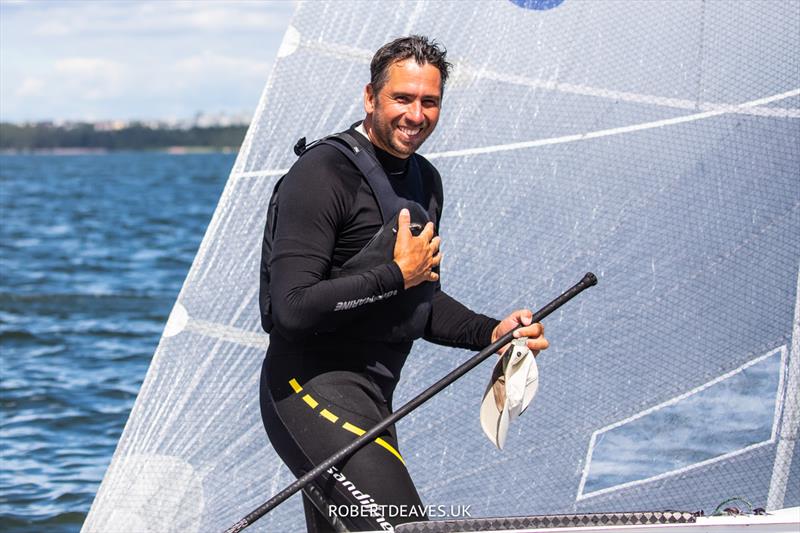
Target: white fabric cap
(511, 389)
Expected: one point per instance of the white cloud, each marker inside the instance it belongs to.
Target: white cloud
(213, 65)
(31, 87)
(85, 65)
(218, 18)
(166, 18)
(92, 78)
(76, 59)
(53, 28)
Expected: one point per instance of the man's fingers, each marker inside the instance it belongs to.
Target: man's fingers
(435, 243)
(538, 344)
(532, 331)
(436, 259)
(427, 232)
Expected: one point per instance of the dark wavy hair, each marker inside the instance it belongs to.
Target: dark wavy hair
(419, 47)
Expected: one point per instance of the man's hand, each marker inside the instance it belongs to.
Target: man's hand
(416, 256)
(534, 332)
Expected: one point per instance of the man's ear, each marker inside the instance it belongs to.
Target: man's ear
(369, 98)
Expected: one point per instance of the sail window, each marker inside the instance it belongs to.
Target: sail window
(726, 416)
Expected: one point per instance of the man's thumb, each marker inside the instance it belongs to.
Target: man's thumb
(403, 221)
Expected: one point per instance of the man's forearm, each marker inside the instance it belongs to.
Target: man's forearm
(453, 324)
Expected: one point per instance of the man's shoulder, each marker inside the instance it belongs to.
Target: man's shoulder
(323, 166)
(321, 153)
(325, 159)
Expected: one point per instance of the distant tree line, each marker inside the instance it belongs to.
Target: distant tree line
(15, 137)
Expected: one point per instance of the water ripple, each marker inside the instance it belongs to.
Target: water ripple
(93, 251)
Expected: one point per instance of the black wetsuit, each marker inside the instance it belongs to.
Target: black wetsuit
(328, 374)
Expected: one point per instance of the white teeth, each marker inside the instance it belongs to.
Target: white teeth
(409, 131)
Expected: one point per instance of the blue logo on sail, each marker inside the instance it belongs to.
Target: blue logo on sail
(538, 5)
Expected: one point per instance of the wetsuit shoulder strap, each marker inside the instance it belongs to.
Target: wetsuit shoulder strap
(388, 201)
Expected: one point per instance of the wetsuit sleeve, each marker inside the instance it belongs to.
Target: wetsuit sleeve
(453, 324)
(315, 198)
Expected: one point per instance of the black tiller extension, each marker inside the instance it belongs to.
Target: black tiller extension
(588, 280)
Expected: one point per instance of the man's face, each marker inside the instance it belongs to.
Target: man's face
(405, 111)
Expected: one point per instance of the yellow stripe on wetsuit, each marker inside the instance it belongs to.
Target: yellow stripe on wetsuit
(330, 417)
(295, 385)
(312, 403)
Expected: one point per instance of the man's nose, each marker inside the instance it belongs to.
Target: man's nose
(414, 112)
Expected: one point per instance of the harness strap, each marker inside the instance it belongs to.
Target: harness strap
(388, 201)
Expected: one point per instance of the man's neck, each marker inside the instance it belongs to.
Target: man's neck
(360, 129)
(394, 166)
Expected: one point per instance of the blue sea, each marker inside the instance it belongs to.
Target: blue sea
(93, 252)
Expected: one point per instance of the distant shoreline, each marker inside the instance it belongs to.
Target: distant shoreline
(171, 150)
(87, 138)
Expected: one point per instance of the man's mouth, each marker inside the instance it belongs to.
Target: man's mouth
(409, 132)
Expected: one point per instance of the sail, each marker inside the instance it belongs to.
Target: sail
(654, 143)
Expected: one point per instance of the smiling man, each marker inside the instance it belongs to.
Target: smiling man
(350, 280)
(402, 106)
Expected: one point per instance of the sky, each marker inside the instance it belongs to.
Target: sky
(135, 59)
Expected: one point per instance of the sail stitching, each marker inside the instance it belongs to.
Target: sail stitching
(462, 69)
(569, 138)
(228, 333)
(638, 98)
(611, 131)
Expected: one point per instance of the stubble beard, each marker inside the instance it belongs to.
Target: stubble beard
(385, 131)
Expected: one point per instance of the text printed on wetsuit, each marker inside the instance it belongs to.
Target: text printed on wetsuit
(352, 304)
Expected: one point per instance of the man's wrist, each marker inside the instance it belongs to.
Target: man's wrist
(398, 280)
(495, 334)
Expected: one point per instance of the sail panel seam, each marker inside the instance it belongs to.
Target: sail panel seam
(462, 69)
(569, 138)
(673, 473)
(672, 401)
(611, 131)
(228, 333)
